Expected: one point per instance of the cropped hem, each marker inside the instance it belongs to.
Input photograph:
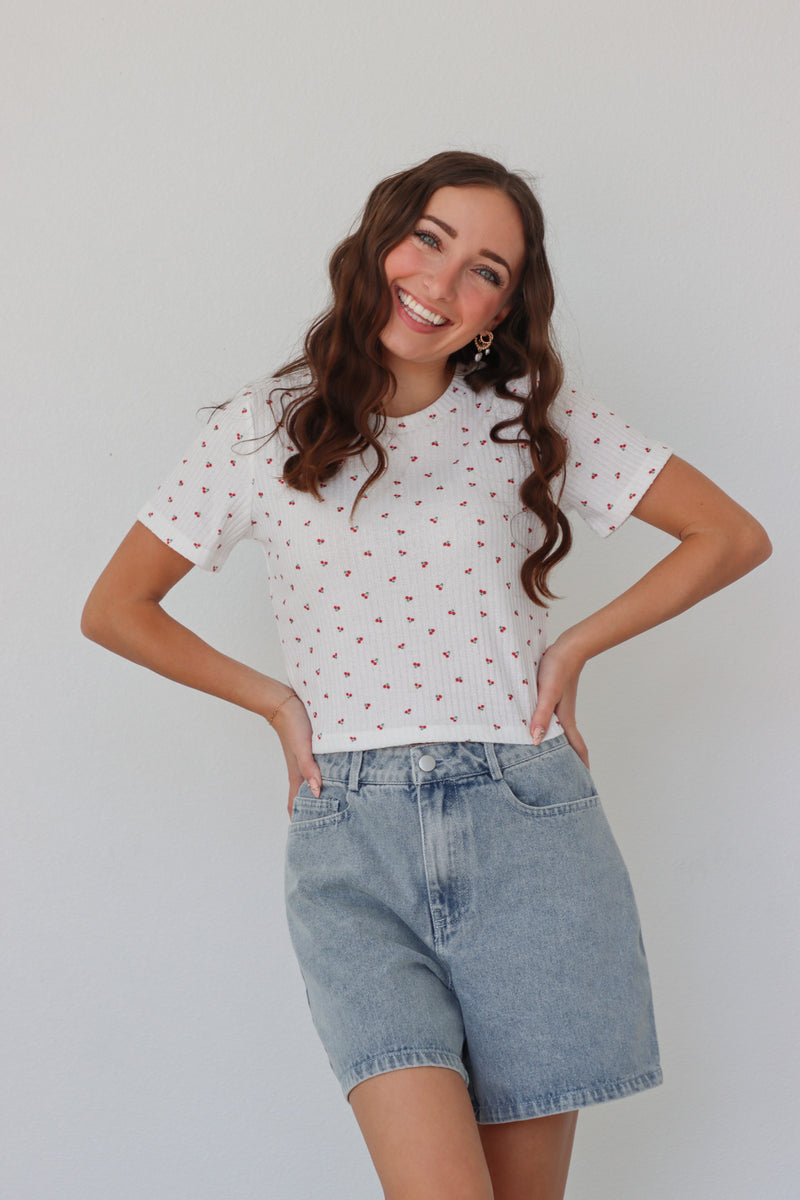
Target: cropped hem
(393, 1060)
(405, 735)
(543, 1106)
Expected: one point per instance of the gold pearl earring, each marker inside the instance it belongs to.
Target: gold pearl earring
(482, 342)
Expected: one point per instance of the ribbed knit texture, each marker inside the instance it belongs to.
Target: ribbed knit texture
(411, 624)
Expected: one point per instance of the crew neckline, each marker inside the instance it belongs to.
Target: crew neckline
(431, 411)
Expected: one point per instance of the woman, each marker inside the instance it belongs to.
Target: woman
(460, 912)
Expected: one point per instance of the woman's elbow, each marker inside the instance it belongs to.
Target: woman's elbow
(92, 619)
(100, 616)
(753, 546)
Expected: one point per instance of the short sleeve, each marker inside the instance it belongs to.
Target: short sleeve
(204, 505)
(610, 464)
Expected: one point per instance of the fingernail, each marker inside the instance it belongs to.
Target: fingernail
(538, 734)
(314, 785)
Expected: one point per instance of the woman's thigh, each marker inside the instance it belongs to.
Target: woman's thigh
(529, 1160)
(421, 1134)
(424, 1142)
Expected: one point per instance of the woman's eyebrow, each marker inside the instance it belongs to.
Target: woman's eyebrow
(452, 233)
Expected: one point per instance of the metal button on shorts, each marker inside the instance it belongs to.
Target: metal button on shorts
(427, 762)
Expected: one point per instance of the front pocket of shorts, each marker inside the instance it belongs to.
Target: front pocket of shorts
(312, 813)
(549, 784)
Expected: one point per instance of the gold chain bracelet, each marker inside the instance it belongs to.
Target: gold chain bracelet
(283, 701)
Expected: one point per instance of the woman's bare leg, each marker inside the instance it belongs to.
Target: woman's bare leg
(529, 1160)
(421, 1134)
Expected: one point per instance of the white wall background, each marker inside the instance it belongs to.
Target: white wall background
(175, 177)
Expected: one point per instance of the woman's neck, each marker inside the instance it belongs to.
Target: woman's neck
(418, 385)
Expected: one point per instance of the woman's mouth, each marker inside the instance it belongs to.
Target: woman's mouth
(417, 315)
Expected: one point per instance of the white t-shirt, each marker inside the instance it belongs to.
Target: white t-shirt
(411, 624)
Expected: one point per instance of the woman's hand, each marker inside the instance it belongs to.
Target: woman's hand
(557, 684)
(293, 727)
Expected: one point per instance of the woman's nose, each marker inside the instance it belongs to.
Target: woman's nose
(441, 284)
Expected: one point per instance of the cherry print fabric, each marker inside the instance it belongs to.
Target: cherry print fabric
(409, 624)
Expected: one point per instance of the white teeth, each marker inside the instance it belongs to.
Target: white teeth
(418, 310)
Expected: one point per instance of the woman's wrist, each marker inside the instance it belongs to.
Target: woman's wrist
(277, 700)
(278, 705)
(570, 646)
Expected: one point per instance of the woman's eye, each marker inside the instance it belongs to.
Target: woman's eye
(424, 235)
(492, 276)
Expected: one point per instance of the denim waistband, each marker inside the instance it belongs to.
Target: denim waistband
(399, 765)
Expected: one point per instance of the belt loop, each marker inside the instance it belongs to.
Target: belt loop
(491, 758)
(355, 767)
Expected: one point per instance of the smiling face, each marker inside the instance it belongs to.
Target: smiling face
(454, 275)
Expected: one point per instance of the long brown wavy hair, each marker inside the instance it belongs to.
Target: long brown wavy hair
(329, 418)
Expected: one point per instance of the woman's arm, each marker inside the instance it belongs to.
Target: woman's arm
(719, 542)
(124, 614)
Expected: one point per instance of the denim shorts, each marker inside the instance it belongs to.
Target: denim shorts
(465, 905)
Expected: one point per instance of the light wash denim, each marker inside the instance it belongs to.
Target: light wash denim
(475, 915)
